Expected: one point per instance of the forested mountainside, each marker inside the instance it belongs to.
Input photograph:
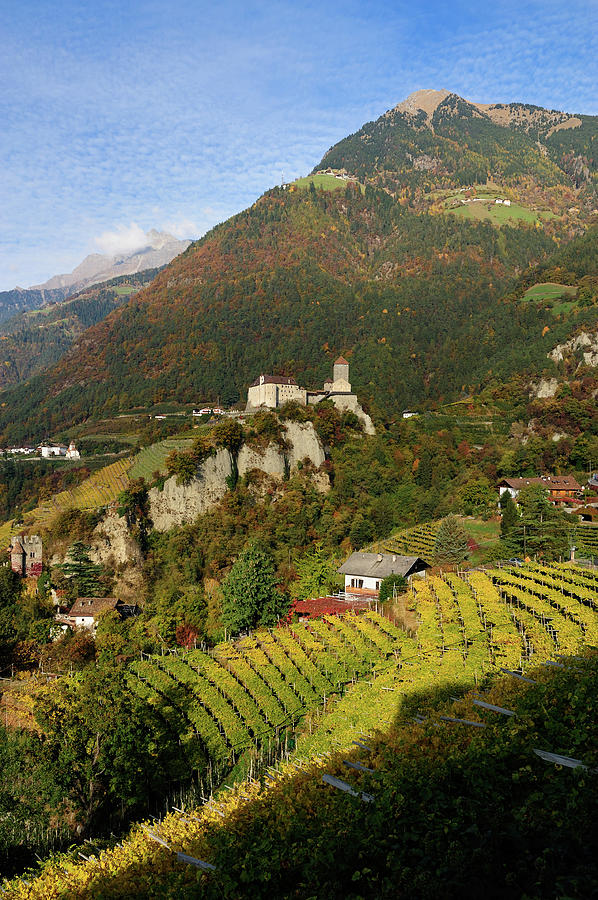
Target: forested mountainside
(456, 143)
(411, 294)
(20, 300)
(33, 340)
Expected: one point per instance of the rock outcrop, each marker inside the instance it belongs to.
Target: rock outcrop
(177, 504)
(583, 345)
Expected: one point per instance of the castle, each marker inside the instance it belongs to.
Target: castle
(26, 555)
(273, 391)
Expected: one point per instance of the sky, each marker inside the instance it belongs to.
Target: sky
(118, 117)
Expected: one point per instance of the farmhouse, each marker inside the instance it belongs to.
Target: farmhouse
(562, 489)
(26, 555)
(365, 571)
(85, 610)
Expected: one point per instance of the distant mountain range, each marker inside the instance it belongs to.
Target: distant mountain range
(402, 256)
(160, 249)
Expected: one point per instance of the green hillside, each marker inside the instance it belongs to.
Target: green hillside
(305, 274)
(33, 340)
(427, 769)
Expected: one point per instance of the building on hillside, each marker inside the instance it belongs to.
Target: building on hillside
(72, 452)
(562, 489)
(273, 391)
(48, 450)
(85, 610)
(366, 571)
(26, 555)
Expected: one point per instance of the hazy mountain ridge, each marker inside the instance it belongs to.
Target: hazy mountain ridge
(161, 248)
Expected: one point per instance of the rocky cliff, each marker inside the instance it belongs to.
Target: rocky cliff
(177, 504)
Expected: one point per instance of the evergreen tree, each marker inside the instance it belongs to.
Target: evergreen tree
(542, 529)
(84, 576)
(250, 597)
(451, 544)
(510, 516)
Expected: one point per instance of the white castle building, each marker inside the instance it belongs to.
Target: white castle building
(273, 391)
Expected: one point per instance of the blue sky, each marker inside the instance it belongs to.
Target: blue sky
(118, 116)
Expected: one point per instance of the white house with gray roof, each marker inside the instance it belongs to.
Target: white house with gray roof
(365, 571)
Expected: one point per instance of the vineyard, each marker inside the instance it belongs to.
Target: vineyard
(100, 489)
(369, 704)
(418, 541)
(586, 537)
(153, 459)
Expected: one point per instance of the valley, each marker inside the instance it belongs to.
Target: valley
(314, 585)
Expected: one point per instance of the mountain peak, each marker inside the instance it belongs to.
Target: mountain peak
(426, 99)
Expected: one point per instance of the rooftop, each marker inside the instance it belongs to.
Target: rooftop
(273, 379)
(379, 565)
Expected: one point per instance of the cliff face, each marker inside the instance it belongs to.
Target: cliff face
(178, 504)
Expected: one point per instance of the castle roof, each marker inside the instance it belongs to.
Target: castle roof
(273, 379)
(341, 361)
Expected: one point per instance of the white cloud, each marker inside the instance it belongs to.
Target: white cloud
(182, 228)
(125, 239)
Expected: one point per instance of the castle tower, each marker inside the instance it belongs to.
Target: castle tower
(340, 376)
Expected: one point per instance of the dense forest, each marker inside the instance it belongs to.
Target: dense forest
(34, 340)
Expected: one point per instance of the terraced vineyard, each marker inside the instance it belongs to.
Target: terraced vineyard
(153, 459)
(100, 489)
(242, 694)
(587, 538)
(418, 540)
(471, 626)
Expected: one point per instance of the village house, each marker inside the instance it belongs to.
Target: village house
(49, 450)
(85, 610)
(562, 489)
(366, 571)
(26, 555)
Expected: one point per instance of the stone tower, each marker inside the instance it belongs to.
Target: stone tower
(26, 555)
(340, 376)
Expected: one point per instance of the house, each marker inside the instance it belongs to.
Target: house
(85, 610)
(48, 450)
(561, 488)
(365, 571)
(26, 555)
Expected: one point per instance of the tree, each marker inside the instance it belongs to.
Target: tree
(133, 504)
(391, 585)
(510, 516)
(451, 545)
(249, 594)
(84, 576)
(316, 574)
(542, 529)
